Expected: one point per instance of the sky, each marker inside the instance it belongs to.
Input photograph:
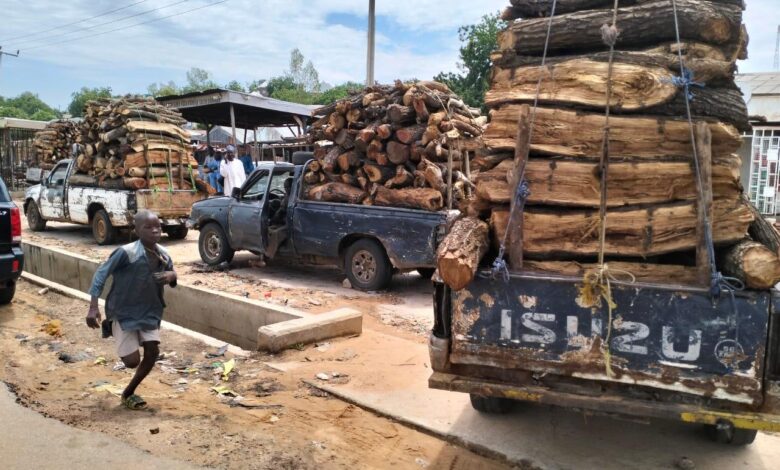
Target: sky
(245, 40)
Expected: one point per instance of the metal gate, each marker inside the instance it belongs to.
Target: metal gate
(763, 184)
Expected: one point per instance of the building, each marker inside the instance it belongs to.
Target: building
(16, 149)
(760, 150)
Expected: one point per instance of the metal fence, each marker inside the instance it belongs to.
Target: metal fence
(16, 154)
(764, 183)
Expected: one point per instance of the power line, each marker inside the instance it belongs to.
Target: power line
(101, 24)
(75, 22)
(126, 27)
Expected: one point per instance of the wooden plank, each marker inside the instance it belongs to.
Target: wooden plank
(521, 157)
(704, 214)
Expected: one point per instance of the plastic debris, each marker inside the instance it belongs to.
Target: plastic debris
(273, 419)
(218, 353)
(323, 376)
(110, 388)
(100, 361)
(224, 390)
(227, 368)
(322, 347)
(43, 291)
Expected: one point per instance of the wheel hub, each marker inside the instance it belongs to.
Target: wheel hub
(364, 266)
(213, 245)
(101, 228)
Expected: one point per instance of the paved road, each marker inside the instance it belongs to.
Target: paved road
(31, 441)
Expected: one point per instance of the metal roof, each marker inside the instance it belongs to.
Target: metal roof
(14, 123)
(251, 110)
(762, 94)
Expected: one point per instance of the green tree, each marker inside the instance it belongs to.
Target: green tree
(80, 98)
(234, 85)
(256, 85)
(199, 80)
(338, 92)
(478, 41)
(43, 115)
(163, 89)
(25, 106)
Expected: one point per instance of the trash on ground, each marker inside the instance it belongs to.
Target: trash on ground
(346, 355)
(273, 419)
(227, 368)
(154, 431)
(72, 358)
(100, 361)
(323, 376)
(253, 404)
(224, 390)
(322, 347)
(346, 284)
(52, 328)
(43, 291)
(218, 353)
(110, 388)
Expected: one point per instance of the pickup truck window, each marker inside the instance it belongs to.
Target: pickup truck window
(256, 192)
(58, 174)
(277, 182)
(4, 196)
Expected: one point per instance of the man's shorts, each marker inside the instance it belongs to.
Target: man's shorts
(128, 342)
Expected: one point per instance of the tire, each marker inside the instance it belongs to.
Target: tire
(34, 219)
(426, 273)
(102, 229)
(726, 433)
(214, 246)
(367, 266)
(176, 232)
(7, 293)
(491, 405)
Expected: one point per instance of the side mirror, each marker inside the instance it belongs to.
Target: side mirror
(236, 193)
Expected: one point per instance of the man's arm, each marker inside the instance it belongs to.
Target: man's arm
(168, 276)
(117, 259)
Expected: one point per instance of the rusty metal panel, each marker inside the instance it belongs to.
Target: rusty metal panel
(115, 203)
(678, 340)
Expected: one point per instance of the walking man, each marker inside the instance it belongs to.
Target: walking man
(134, 306)
(233, 171)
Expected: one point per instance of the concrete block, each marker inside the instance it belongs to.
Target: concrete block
(280, 336)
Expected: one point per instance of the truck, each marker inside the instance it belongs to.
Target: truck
(662, 351)
(270, 217)
(107, 211)
(11, 254)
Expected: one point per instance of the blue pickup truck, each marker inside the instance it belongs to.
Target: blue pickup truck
(269, 217)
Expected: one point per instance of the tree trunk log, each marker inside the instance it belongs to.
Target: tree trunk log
(543, 8)
(378, 174)
(348, 160)
(402, 179)
(409, 135)
(337, 192)
(461, 250)
(643, 272)
(577, 134)
(399, 114)
(633, 232)
(397, 152)
(753, 263)
(412, 198)
(641, 25)
(762, 231)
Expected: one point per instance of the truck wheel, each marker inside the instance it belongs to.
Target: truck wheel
(34, 219)
(7, 293)
(102, 229)
(491, 405)
(725, 433)
(176, 232)
(367, 266)
(213, 245)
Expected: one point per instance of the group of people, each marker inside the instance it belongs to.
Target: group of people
(224, 171)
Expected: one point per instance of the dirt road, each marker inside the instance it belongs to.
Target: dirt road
(280, 422)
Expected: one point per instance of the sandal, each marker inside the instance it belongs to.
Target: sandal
(134, 402)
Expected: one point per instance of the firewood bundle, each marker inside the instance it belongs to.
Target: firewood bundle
(391, 146)
(135, 143)
(654, 209)
(53, 143)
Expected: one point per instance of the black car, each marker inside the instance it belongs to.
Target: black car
(11, 255)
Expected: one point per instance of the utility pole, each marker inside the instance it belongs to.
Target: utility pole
(777, 50)
(2, 53)
(371, 36)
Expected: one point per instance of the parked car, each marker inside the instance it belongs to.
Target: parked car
(11, 255)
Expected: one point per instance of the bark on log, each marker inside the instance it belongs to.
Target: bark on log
(337, 192)
(409, 135)
(762, 231)
(413, 198)
(699, 20)
(756, 265)
(576, 184)
(632, 232)
(401, 179)
(643, 272)
(397, 152)
(399, 114)
(156, 128)
(583, 82)
(378, 174)
(135, 183)
(461, 250)
(158, 157)
(433, 175)
(77, 179)
(543, 8)
(348, 160)
(579, 134)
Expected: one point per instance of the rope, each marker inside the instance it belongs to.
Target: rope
(522, 192)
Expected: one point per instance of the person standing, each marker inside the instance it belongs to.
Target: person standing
(134, 306)
(246, 160)
(213, 166)
(233, 171)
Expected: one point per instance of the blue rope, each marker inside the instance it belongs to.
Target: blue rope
(499, 267)
(685, 81)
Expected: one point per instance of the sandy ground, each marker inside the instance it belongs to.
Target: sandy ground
(406, 306)
(279, 421)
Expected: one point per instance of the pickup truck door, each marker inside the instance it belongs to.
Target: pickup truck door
(247, 228)
(52, 202)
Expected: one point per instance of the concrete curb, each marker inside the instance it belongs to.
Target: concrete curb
(279, 336)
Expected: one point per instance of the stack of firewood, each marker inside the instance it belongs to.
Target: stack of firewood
(53, 143)
(393, 145)
(654, 210)
(135, 143)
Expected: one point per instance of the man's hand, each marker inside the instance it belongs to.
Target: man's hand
(93, 317)
(165, 277)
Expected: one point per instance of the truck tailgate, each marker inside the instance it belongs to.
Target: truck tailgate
(661, 337)
(168, 204)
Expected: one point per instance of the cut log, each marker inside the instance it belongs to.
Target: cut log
(402, 179)
(413, 198)
(378, 174)
(399, 114)
(631, 232)
(576, 184)
(433, 175)
(157, 157)
(337, 192)
(577, 134)
(348, 160)
(461, 250)
(397, 153)
(135, 183)
(643, 272)
(762, 231)
(753, 263)
(639, 25)
(409, 135)
(543, 8)
(384, 131)
(77, 179)
(158, 128)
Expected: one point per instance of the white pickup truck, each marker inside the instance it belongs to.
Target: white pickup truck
(107, 210)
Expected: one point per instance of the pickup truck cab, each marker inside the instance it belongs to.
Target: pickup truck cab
(106, 210)
(268, 216)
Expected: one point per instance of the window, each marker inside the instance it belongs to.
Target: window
(58, 174)
(256, 192)
(764, 160)
(277, 182)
